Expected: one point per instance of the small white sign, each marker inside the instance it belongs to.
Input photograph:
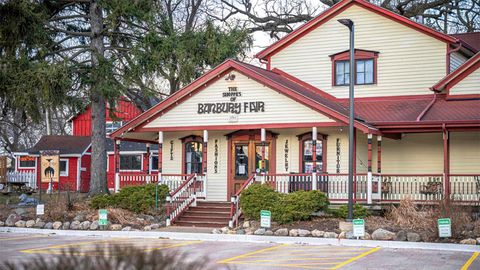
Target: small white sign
(265, 218)
(444, 227)
(40, 209)
(358, 228)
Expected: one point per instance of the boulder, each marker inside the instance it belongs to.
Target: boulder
(367, 236)
(75, 225)
(147, 228)
(413, 237)
(468, 241)
(281, 232)
(115, 227)
(246, 224)
(66, 225)
(382, 234)
(155, 226)
(304, 233)
(349, 235)
(478, 240)
(268, 232)
(232, 232)
(342, 235)
(216, 231)
(2, 223)
(94, 226)
(401, 235)
(39, 224)
(260, 231)
(85, 225)
(48, 226)
(20, 224)
(79, 218)
(224, 229)
(30, 223)
(56, 225)
(240, 231)
(317, 233)
(249, 231)
(330, 235)
(127, 229)
(20, 211)
(12, 219)
(293, 232)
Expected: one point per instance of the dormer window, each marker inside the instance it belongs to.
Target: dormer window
(365, 67)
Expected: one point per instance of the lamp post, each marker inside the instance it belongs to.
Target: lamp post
(349, 23)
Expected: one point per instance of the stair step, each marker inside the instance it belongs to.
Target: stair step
(201, 224)
(206, 214)
(214, 204)
(203, 219)
(209, 209)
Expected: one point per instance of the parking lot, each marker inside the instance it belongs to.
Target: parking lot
(239, 255)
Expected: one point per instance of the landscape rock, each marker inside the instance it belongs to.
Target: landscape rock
(75, 225)
(127, 229)
(48, 226)
(468, 241)
(367, 236)
(2, 223)
(342, 235)
(224, 229)
(231, 232)
(478, 240)
(304, 233)
(401, 235)
(147, 228)
(216, 231)
(246, 224)
(20, 224)
(317, 233)
(268, 233)
(39, 224)
(293, 232)
(66, 225)
(413, 237)
(249, 231)
(382, 234)
(30, 223)
(79, 217)
(349, 235)
(12, 219)
(94, 226)
(330, 235)
(155, 226)
(56, 225)
(85, 225)
(260, 231)
(281, 232)
(20, 211)
(241, 231)
(115, 227)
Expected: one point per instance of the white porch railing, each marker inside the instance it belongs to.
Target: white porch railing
(465, 188)
(427, 187)
(180, 199)
(29, 178)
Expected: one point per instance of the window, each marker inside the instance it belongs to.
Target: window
(63, 167)
(112, 126)
(154, 162)
(26, 162)
(365, 67)
(131, 162)
(193, 157)
(307, 158)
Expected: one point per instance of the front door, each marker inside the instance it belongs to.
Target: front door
(246, 159)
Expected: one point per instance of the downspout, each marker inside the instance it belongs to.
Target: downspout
(429, 105)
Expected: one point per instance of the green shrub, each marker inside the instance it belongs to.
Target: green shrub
(138, 199)
(358, 211)
(285, 208)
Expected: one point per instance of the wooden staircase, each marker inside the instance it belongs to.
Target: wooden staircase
(205, 214)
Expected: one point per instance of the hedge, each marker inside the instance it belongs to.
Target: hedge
(285, 208)
(138, 199)
(358, 211)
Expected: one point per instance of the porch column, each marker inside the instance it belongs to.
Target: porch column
(147, 164)
(263, 135)
(379, 154)
(446, 162)
(116, 162)
(369, 169)
(314, 158)
(160, 155)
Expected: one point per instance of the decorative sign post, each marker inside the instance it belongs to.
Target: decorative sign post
(40, 209)
(102, 217)
(358, 228)
(265, 218)
(444, 227)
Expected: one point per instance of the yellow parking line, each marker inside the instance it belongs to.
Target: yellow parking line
(21, 237)
(33, 250)
(356, 258)
(296, 259)
(470, 261)
(251, 253)
(285, 265)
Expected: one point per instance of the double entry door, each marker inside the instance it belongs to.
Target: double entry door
(246, 159)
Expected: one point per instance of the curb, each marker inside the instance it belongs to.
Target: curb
(249, 239)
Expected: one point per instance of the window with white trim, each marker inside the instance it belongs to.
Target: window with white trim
(63, 167)
(154, 162)
(26, 162)
(131, 162)
(112, 126)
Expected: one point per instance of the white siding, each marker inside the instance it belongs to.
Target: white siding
(172, 153)
(456, 60)
(217, 182)
(290, 138)
(470, 85)
(465, 152)
(409, 62)
(278, 107)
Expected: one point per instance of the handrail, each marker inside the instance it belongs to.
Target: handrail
(179, 200)
(235, 210)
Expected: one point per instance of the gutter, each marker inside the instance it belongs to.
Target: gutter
(429, 105)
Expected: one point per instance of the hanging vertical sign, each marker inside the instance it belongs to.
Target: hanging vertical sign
(215, 162)
(171, 150)
(49, 166)
(286, 155)
(338, 155)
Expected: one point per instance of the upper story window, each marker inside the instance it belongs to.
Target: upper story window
(26, 162)
(112, 126)
(365, 67)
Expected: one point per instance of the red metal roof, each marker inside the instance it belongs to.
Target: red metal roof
(460, 73)
(471, 39)
(453, 110)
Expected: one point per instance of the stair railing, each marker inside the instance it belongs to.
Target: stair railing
(183, 197)
(235, 210)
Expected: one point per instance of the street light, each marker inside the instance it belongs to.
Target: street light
(349, 23)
